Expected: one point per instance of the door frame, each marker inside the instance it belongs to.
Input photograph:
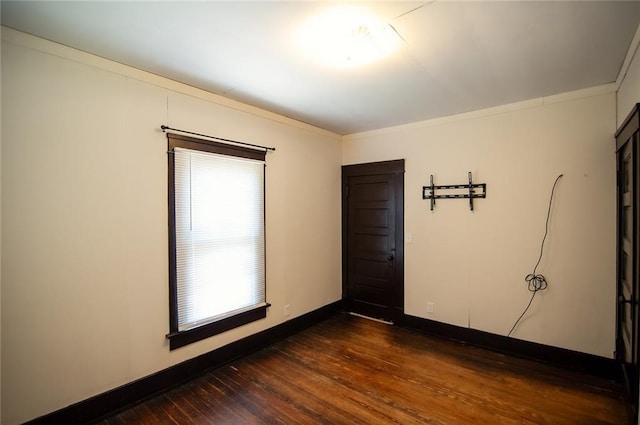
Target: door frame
(395, 167)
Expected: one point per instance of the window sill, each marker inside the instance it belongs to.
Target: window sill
(182, 338)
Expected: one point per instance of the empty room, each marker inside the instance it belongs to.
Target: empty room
(320, 212)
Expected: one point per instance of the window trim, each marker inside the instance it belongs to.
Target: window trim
(178, 338)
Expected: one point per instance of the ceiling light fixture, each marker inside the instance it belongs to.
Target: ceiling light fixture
(347, 37)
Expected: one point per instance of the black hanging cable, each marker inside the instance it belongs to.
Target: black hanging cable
(164, 128)
(537, 282)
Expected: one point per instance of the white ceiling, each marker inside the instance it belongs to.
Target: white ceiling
(456, 56)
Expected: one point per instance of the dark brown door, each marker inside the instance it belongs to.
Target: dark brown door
(628, 291)
(373, 255)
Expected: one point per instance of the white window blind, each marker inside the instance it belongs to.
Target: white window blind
(219, 225)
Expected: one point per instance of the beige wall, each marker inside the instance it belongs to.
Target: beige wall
(629, 91)
(472, 265)
(84, 221)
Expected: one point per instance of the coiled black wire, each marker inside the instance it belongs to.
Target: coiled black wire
(537, 282)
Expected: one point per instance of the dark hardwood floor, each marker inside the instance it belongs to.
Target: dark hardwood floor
(349, 370)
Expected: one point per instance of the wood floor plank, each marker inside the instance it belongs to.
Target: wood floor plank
(392, 380)
(209, 407)
(228, 407)
(282, 388)
(349, 370)
(190, 404)
(137, 415)
(338, 402)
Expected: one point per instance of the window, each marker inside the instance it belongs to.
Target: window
(217, 238)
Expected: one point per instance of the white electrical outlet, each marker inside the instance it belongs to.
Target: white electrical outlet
(430, 307)
(287, 310)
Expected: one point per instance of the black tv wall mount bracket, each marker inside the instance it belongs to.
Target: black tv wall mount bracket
(429, 192)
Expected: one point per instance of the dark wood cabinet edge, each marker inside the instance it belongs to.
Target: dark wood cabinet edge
(623, 135)
(628, 127)
(102, 405)
(559, 357)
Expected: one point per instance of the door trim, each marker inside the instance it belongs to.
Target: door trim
(367, 169)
